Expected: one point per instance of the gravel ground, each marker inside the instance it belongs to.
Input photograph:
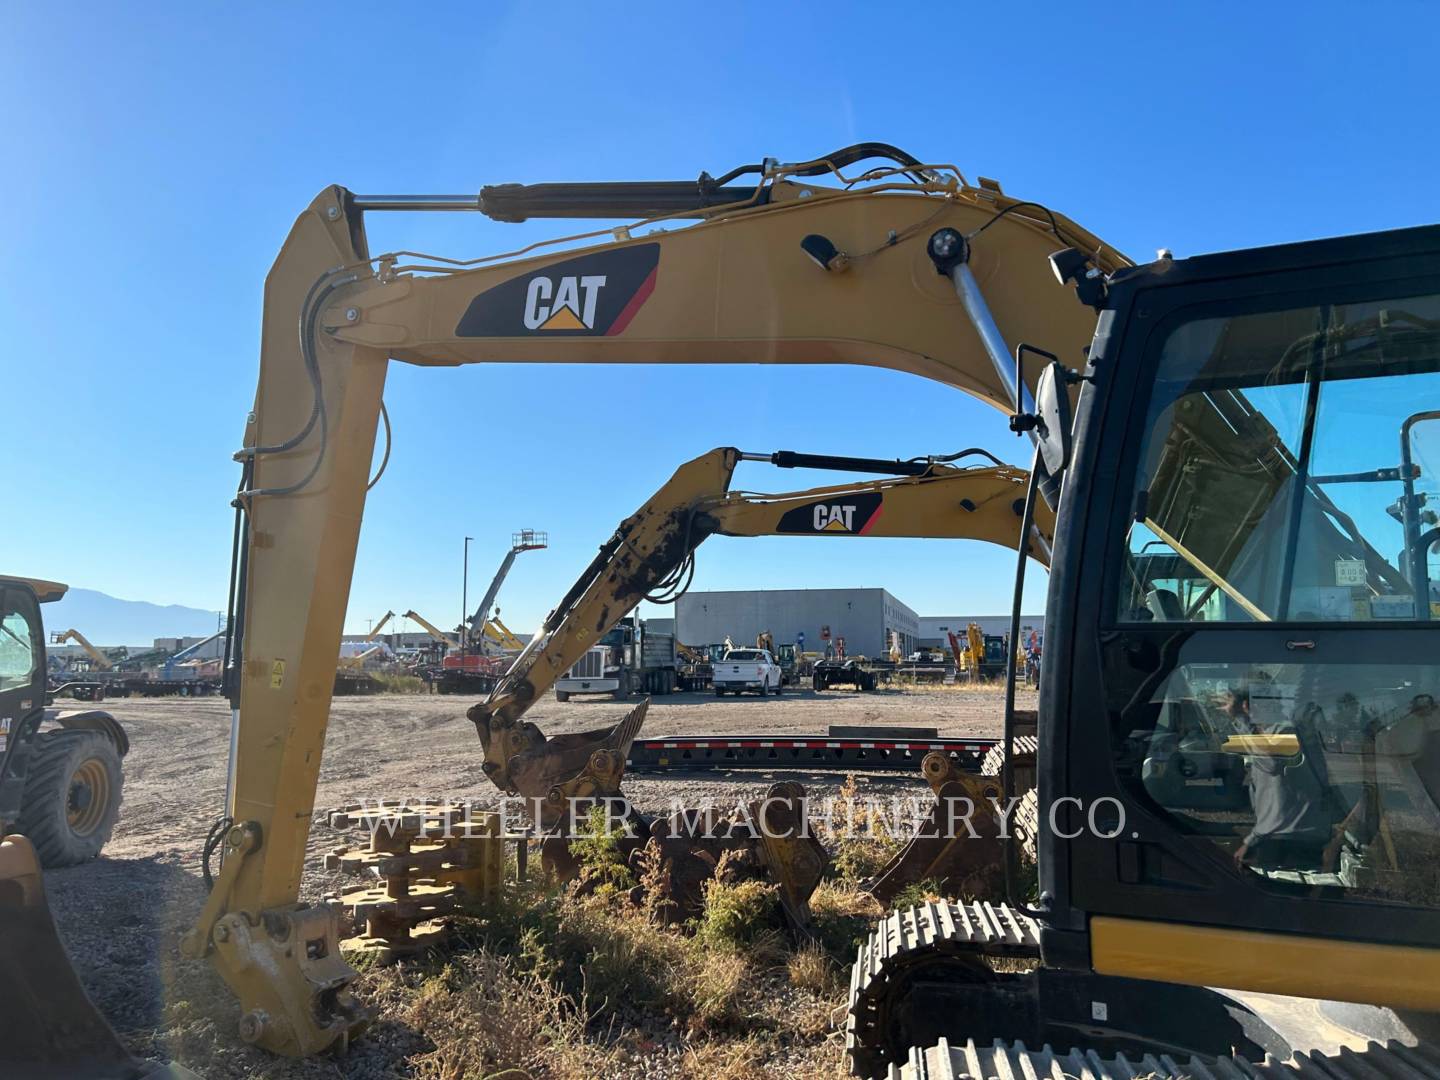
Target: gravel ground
(121, 916)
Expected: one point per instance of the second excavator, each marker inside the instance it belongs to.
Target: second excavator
(651, 556)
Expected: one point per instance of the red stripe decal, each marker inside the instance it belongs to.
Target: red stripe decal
(873, 518)
(628, 312)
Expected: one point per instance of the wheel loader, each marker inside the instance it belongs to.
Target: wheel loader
(1237, 738)
(61, 772)
(61, 776)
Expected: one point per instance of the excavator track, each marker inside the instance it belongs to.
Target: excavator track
(945, 1061)
(914, 951)
(908, 941)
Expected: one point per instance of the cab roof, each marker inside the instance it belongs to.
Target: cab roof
(45, 591)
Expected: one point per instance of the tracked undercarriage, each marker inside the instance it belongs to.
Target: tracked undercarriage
(946, 1061)
(952, 991)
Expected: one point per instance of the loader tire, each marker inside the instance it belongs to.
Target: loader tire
(562, 695)
(72, 796)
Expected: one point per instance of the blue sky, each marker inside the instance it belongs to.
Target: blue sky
(155, 160)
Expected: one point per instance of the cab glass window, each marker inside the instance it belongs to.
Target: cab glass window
(1310, 775)
(19, 651)
(1288, 473)
(1290, 469)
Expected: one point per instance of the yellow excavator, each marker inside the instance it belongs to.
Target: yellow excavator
(434, 631)
(1219, 595)
(651, 555)
(98, 658)
(497, 632)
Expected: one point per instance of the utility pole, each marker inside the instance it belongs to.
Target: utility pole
(465, 597)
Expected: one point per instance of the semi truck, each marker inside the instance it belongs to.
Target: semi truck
(629, 659)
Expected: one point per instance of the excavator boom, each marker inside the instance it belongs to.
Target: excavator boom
(907, 267)
(433, 630)
(100, 660)
(653, 550)
(502, 635)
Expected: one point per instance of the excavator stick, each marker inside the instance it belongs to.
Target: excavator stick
(52, 1031)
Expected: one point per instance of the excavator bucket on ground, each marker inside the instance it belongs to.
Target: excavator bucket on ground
(958, 847)
(49, 1029)
(560, 776)
(769, 838)
(522, 761)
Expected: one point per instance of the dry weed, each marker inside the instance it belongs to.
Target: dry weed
(718, 982)
(865, 841)
(563, 987)
(483, 1018)
(813, 969)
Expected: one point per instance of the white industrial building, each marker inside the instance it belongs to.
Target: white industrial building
(813, 618)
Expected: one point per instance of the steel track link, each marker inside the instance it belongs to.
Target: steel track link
(1013, 1061)
(911, 936)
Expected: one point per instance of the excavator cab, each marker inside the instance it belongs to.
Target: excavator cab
(1253, 704)
(1238, 747)
(1239, 742)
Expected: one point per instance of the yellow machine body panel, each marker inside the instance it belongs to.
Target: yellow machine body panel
(1398, 976)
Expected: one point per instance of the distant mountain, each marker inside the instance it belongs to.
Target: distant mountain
(109, 621)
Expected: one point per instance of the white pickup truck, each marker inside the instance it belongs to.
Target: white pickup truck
(747, 669)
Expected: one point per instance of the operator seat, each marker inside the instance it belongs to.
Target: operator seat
(1164, 605)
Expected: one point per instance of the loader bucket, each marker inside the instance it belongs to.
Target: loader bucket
(51, 1031)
